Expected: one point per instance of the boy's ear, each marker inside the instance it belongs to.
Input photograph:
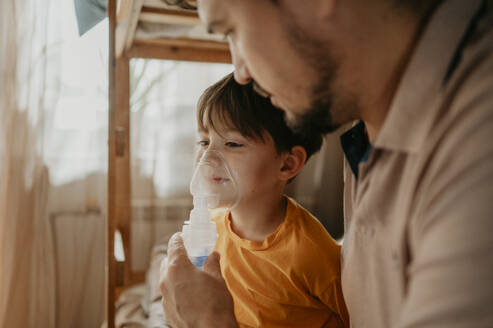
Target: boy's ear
(293, 162)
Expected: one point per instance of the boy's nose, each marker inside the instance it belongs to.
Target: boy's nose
(213, 157)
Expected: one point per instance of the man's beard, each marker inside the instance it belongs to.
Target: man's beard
(317, 118)
(330, 107)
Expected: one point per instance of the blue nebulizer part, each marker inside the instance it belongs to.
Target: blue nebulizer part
(213, 186)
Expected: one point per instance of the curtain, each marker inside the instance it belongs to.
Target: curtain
(27, 296)
(53, 150)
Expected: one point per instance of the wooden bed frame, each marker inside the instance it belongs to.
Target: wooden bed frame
(122, 47)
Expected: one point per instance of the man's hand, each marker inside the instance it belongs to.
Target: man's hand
(192, 297)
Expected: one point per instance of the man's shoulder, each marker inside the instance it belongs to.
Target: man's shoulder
(468, 93)
(465, 115)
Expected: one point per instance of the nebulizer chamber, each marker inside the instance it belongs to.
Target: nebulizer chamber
(212, 187)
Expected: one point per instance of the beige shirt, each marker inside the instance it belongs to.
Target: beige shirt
(418, 249)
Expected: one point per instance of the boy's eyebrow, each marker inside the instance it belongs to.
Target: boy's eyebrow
(213, 25)
(232, 132)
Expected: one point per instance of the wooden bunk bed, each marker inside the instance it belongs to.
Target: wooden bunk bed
(126, 19)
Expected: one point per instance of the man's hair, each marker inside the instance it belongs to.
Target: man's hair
(239, 107)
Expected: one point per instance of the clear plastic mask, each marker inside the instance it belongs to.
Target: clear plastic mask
(214, 181)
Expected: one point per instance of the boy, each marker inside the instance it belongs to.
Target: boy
(279, 263)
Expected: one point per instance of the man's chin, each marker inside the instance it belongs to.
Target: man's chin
(317, 121)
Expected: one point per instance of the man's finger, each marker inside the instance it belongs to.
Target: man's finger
(163, 266)
(212, 265)
(177, 254)
(169, 314)
(173, 266)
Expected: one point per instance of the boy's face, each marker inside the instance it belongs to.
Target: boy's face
(255, 165)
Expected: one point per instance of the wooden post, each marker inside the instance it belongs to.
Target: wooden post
(122, 194)
(110, 267)
(118, 215)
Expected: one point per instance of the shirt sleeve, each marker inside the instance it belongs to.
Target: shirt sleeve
(323, 279)
(451, 269)
(333, 298)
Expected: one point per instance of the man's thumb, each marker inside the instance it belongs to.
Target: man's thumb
(176, 251)
(212, 266)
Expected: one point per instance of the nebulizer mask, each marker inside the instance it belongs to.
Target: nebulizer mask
(213, 187)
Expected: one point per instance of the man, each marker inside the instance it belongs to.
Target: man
(418, 76)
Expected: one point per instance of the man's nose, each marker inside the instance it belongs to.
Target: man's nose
(242, 76)
(241, 73)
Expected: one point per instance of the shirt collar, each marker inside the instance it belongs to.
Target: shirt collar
(411, 113)
(356, 146)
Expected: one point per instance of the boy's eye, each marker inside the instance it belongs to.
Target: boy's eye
(233, 144)
(203, 143)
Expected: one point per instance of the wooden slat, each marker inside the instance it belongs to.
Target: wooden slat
(164, 5)
(138, 277)
(166, 16)
(127, 20)
(166, 11)
(184, 43)
(181, 49)
(118, 180)
(122, 161)
(110, 267)
(118, 217)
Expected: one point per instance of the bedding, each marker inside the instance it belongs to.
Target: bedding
(139, 306)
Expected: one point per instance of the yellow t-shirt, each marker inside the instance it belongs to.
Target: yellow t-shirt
(291, 279)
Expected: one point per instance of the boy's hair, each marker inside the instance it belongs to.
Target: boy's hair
(241, 108)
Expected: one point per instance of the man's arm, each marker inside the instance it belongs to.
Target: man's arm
(192, 297)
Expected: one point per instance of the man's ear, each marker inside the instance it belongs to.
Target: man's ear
(293, 162)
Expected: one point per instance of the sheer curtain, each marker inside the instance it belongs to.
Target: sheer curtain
(27, 293)
(53, 132)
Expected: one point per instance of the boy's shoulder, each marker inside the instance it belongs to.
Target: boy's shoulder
(314, 251)
(305, 222)
(309, 234)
